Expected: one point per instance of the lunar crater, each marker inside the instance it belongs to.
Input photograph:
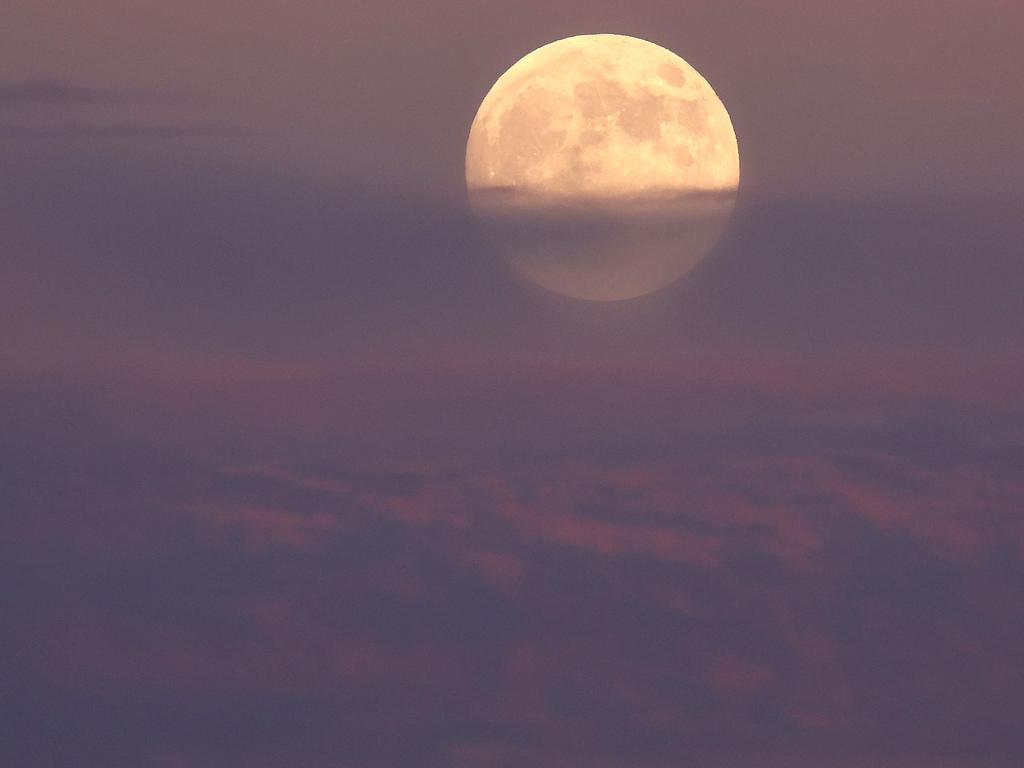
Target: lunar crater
(672, 75)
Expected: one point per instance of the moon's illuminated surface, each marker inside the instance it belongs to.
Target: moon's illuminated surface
(603, 166)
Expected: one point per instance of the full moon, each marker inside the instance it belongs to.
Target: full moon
(602, 167)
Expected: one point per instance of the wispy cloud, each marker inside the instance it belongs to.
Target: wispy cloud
(59, 109)
(122, 130)
(70, 92)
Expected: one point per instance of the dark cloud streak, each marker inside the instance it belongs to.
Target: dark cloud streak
(123, 130)
(71, 93)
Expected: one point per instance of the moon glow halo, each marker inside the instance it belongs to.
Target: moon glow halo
(603, 167)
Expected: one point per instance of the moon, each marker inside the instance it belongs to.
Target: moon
(603, 167)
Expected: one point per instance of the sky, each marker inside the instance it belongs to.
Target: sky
(295, 472)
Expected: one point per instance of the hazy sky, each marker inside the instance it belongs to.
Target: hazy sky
(293, 472)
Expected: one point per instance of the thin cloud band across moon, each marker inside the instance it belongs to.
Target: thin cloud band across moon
(602, 167)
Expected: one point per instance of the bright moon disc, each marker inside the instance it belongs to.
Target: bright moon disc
(603, 167)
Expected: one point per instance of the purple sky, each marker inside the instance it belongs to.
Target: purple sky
(293, 473)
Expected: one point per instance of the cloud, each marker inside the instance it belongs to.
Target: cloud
(123, 130)
(35, 103)
(781, 584)
(254, 264)
(259, 529)
(72, 93)
(553, 532)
